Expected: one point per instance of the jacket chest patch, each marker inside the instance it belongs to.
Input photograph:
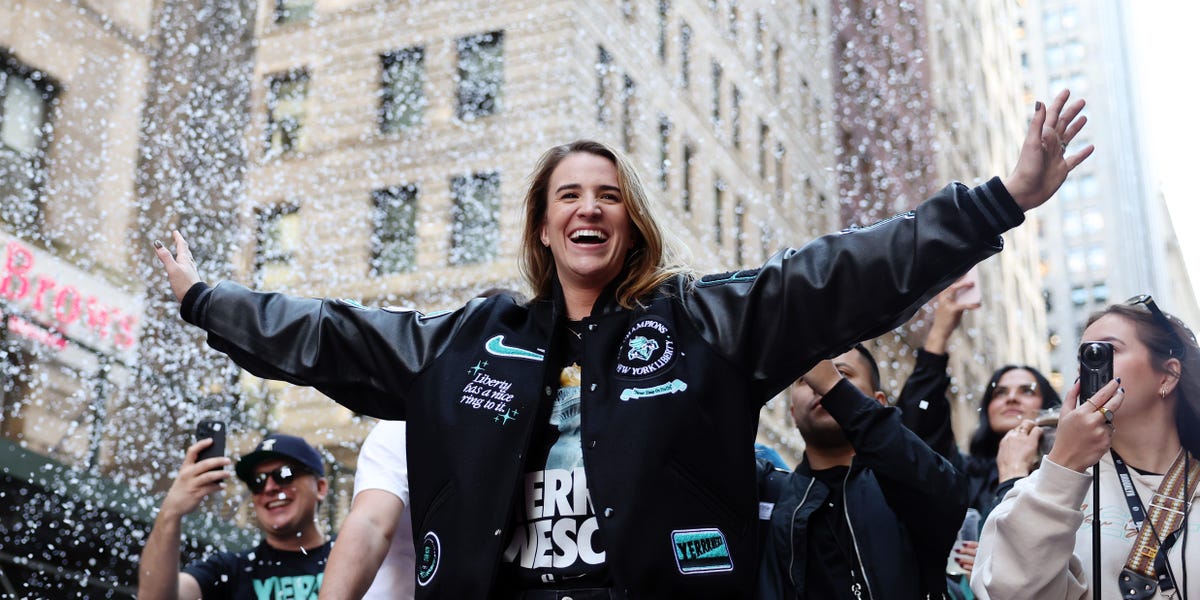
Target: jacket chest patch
(486, 392)
(647, 349)
(701, 551)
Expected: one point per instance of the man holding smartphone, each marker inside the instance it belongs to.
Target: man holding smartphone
(286, 479)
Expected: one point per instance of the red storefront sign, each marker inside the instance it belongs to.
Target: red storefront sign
(66, 301)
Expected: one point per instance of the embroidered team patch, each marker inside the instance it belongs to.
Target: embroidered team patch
(647, 349)
(428, 559)
(670, 387)
(701, 551)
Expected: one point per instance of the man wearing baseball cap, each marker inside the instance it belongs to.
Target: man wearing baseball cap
(286, 479)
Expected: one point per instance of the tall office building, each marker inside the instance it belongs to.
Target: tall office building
(928, 93)
(1104, 237)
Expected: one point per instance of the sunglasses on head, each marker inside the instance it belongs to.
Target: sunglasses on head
(1162, 320)
(282, 476)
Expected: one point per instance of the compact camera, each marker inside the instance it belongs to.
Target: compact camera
(1095, 368)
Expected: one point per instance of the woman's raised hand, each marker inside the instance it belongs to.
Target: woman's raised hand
(180, 267)
(1043, 164)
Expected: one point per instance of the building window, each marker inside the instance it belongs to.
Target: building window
(475, 215)
(716, 95)
(733, 19)
(26, 102)
(628, 116)
(664, 9)
(776, 67)
(1072, 224)
(685, 56)
(1076, 261)
(1093, 220)
(764, 242)
(719, 211)
(664, 152)
(1097, 260)
(394, 230)
(480, 74)
(1055, 56)
(278, 240)
(1069, 192)
(735, 117)
(739, 231)
(688, 156)
(760, 34)
(764, 135)
(1089, 187)
(780, 183)
(291, 11)
(286, 93)
(403, 102)
(604, 68)
(1079, 297)
(1075, 52)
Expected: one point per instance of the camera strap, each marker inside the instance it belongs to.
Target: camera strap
(1146, 568)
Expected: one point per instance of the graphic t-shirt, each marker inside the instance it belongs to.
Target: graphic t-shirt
(555, 541)
(263, 573)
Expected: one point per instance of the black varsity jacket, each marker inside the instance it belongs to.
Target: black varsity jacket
(671, 391)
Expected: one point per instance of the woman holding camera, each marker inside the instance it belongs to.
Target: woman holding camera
(1005, 443)
(1004, 447)
(1143, 429)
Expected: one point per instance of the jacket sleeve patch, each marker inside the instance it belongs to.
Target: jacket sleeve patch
(730, 277)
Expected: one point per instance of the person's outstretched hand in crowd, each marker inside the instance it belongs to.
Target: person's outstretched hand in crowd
(181, 267)
(1043, 164)
(948, 312)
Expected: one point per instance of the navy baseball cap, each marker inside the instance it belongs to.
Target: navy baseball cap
(281, 445)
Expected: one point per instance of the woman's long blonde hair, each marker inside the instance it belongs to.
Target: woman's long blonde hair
(654, 257)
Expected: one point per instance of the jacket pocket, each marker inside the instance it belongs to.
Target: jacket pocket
(439, 499)
(724, 512)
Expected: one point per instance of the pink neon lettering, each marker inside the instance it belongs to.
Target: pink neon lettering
(44, 284)
(66, 306)
(18, 262)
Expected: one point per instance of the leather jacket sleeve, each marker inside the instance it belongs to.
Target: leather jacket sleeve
(804, 305)
(924, 408)
(363, 358)
(927, 494)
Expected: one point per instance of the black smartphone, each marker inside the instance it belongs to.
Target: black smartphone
(214, 430)
(1095, 368)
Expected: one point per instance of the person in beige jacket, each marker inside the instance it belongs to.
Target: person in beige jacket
(1037, 544)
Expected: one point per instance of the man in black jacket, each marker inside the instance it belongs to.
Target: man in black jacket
(871, 512)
